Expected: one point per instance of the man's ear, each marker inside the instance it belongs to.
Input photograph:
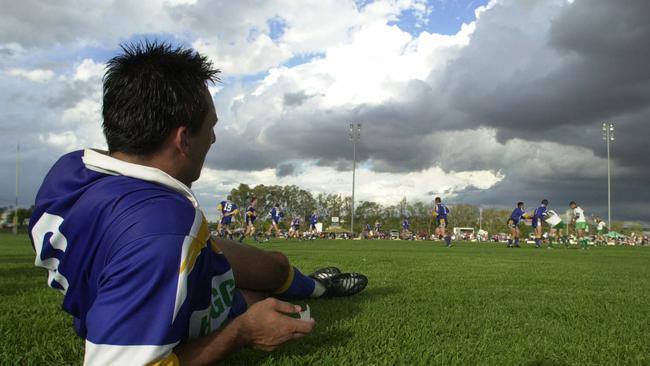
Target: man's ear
(181, 139)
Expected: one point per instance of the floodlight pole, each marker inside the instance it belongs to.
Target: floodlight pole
(608, 136)
(355, 135)
(15, 226)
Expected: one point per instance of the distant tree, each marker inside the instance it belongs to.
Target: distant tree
(23, 216)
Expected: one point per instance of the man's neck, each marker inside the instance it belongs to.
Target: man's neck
(159, 161)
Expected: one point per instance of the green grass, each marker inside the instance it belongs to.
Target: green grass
(425, 304)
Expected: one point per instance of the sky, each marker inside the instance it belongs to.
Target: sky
(483, 102)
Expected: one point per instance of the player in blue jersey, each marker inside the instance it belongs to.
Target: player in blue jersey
(513, 223)
(368, 231)
(123, 238)
(538, 218)
(440, 212)
(313, 220)
(377, 232)
(294, 230)
(228, 210)
(275, 214)
(406, 228)
(250, 217)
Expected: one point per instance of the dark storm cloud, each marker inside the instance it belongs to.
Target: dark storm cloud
(590, 66)
(6, 52)
(392, 133)
(285, 169)
(295, 99)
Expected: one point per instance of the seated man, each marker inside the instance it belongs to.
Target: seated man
(123, 238)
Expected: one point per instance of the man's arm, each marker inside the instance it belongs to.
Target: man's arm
(264, 326)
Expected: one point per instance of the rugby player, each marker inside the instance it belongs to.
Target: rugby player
(275, 215)
(294, 230)
(601, 230)
(124, 239)
(440, 213)
(538, 218)
(251, 216)
(580, 221)
(368, 231)
(513, 223)
(378, 229)
(557, 228)
(228, 210)
(406, 228)
(313, 220)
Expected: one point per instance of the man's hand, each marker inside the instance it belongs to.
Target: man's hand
(266, 325)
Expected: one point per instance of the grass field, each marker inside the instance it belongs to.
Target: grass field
(425, 304)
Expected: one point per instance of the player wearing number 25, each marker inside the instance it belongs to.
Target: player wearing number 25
(124, 240)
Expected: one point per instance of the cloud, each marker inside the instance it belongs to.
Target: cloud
(295, 99)
(35, 75)
(285, 169)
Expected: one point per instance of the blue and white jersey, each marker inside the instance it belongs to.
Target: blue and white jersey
(406, 225)
(275, 214)
(251, 215)
(539, 216)
(517, 214)
(228, 207)
(131, 252)
(313, 219)
(441, 211)
(295, 223)
(540, 212)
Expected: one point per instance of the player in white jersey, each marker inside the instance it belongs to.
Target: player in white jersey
(601, 229)
(580, 221)
(557, 227)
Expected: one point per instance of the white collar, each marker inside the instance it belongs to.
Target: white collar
(100, 161)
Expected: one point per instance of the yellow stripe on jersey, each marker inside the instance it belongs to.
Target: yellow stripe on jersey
(198, 243)
(193, 244)
(171, 360)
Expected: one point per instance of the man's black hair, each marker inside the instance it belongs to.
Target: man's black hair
(573, 203)
(437, 199)
(520, 203)
(150, 89)
(544, 202)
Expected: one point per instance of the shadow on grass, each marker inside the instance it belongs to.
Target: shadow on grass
(330, 332)
(22, 279)
(546, 362)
